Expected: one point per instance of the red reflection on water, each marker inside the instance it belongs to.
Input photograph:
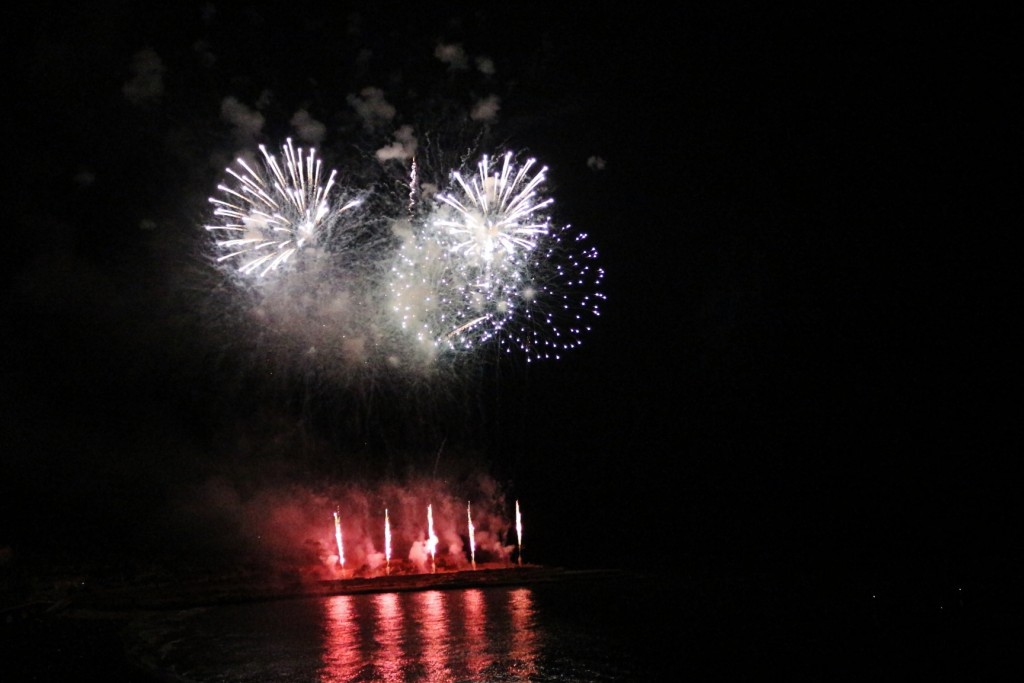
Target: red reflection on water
(475, 619)
(388, 634)
(430, 636)
(343, 654)
(435, 631)
(523, 648)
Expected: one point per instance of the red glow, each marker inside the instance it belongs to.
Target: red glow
(524, 640)
(435, 630)
(476, 630)
(343, 656)
(388, 634)
(356, 549)
(431, 635)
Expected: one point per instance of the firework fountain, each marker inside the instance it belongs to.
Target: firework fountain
(519, 533)
(369, 562)
(431, 538)
(472, 535)
(387, 542)
(337, 538)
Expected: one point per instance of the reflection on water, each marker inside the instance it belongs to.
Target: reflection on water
(566, 631)
(524, 639)
(475, 619)
(432, 616)
(430, 636)
(342, 658)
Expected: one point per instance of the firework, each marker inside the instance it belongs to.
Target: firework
(268, 216)
(519, 532)
(481, 263)
(562, 299)
(387, 541)
(472, 535)
(431, 538)
(464, 274)
(498, 217)
(337, 538)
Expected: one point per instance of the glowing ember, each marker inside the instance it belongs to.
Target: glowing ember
(337, 537)
(387, 540)
(431, 538)
(472, 539)
(519, 532)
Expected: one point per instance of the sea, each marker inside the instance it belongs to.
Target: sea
(610, 626)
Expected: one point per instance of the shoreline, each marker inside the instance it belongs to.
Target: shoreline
(220, 591)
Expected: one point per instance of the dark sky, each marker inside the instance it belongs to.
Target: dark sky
(804, 358)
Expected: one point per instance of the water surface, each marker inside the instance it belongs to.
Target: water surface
(578, 630)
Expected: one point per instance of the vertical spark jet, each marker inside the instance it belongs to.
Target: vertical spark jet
(519, 533)
(387, 541)
(431, 538)
(337, 537)
(472, 536)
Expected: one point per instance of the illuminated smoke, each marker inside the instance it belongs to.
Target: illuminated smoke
(281, 527)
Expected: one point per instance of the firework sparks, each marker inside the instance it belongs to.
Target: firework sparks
(267, 217)
(387, 541)
(466, 272)
(519, 532)
(481, 263)
(472, 535)
(498, 216)
(337, 537)
(562, 300)
(431, 538)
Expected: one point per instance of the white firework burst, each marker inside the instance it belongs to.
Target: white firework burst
(498, 217)
(267, 217)
(459, 278)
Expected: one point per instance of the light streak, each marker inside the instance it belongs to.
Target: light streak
(431, 538)
(387, 541)
(472, 535)
(337, 537)
(519, 532)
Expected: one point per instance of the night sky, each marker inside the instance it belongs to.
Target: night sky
(803, 366)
